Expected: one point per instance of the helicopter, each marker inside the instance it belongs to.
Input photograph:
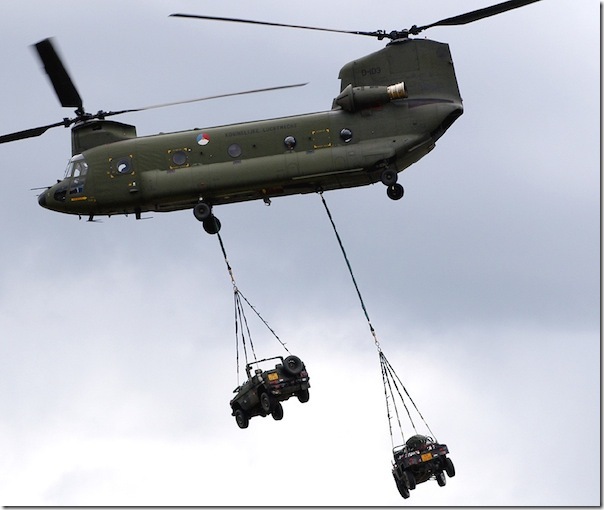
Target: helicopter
(392, 107)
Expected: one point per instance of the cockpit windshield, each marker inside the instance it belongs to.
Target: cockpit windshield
(77, 167)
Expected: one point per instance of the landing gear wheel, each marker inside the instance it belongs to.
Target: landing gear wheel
(277, 411)
(389, 177)
(441, 479)
(202, 211)
(395, 191)
(241, 418)
(211, 225)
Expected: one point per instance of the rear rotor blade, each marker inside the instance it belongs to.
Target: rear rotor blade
(461, 19)
(476, 15)
(271, 24)
(62, 83)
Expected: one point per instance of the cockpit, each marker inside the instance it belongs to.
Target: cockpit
(74, 180)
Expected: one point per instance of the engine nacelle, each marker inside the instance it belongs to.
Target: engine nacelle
(353, 99)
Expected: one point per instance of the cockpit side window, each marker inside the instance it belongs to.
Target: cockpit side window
(75, 177)
(76, 186)
(80, 168)
(76, 167)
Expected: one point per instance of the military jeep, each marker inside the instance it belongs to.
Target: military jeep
(264, 391)
(418, 460)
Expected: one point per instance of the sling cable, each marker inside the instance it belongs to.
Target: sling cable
(242, 330)
(263, 390)
(420, 457)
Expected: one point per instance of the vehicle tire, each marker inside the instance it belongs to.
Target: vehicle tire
(395, 191)
(303, 396)
(277, 411)
(389, 177)
(241, 418)
(441, 478)
(211, 225)
(397, 472)
(449, 467)
(293, 365)
(411, 483)
(266, 402)
(402, 488)
(202, 211)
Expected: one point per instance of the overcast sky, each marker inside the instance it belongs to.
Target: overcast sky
(483, 283)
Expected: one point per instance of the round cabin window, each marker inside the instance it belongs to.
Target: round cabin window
(289, 142)
(123, 166)
(346, 135)
(234, 150)
(179, 158)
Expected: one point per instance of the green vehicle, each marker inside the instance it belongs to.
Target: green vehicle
(264, 391)
(418, 460)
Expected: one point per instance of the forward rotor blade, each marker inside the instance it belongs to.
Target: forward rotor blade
(164, 105)
(271, 24)
(476, 15)
(62, 83)
(30, 133)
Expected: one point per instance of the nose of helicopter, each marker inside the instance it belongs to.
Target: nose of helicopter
(47, 200)
(42, 199)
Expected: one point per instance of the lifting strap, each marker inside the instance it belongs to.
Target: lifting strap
(354, 281)
(392, 383)
(242, 330)
(391, 378)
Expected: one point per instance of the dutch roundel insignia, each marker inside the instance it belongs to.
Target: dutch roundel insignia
(203, 139)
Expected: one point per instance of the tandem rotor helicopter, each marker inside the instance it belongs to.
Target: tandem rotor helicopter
(392, 107)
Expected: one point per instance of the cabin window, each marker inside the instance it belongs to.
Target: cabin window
(179, 157)
(289, 142)
(346, 135)
(234, 150)
(121, 166)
